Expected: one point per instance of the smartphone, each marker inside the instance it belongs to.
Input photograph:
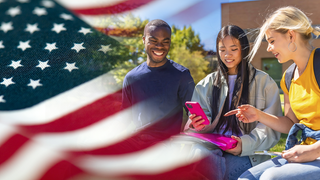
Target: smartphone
(195, 108)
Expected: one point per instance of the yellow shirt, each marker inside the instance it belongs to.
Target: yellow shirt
(304, 97)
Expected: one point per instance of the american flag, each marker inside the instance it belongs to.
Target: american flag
(59, 109)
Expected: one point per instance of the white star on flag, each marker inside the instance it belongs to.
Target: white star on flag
(105, 48)
(58, 28)
(15, 64)
(39, 11)
(2, 100)
(66, 16)
(32, 28)
(1, 45)
(70, 66)
(51, 46)
(85, 30)
(78, 46)
(34, 83)
(24, 45)
(43, 65)
(14, 11)
(7, 82)
(5, 27)
(47, 3)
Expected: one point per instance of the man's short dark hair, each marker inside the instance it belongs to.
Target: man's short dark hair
(157, 23)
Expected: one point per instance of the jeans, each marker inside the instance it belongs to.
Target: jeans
(235, 165)
(221, 165)
(279, 168)
(215, 164)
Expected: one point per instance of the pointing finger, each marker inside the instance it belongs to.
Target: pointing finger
(231, 112)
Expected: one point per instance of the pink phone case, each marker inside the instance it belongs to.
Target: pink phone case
(222, 141)
(195, 108)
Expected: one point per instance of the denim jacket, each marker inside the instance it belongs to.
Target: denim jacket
(264, 95)
(306, 132)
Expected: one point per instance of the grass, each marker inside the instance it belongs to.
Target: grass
(280, 146)
(281, 98)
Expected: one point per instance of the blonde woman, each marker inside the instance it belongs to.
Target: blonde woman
(288, 32)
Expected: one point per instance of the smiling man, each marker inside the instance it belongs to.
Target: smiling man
(156, 90)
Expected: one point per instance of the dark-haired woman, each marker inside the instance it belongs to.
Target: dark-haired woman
(236, 82)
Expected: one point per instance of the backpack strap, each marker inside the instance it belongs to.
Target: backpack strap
(316, 65)
(289, 75)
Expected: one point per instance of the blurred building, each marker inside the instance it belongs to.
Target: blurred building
(250, 16)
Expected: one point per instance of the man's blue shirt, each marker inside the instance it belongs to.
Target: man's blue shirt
(157, 93)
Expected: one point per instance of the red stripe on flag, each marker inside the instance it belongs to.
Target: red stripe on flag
(82, 117)
(115, 9)
(139, 141)
(13, 144)
(62, 170)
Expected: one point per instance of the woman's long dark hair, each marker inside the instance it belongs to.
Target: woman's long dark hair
(241, 87)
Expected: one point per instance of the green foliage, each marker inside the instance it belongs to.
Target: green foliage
(135, 46)
(186, 50)
(186, 37)
(121, 70)
(131, 28)
(194, 61)
(128, 31)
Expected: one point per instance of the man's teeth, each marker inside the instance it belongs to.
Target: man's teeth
(158, 53)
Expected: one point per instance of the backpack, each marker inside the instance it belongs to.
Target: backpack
(316, 69)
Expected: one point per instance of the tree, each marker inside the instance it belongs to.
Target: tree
(120, 71)
(128, 30)
(186, 37)
(194, 61)
(187, 51)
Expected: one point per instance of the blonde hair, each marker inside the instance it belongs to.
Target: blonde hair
(282, 20)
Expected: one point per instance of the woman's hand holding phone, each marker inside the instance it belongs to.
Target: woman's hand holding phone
(198, 117)
(197, 122)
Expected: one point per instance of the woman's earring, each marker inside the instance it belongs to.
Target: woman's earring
(294, 45)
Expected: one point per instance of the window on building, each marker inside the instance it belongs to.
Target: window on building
(273, 68)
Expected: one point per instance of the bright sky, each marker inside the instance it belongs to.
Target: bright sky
(203, 15)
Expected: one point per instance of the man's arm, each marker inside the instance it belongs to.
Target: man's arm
(126, 94)
(186, 89)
